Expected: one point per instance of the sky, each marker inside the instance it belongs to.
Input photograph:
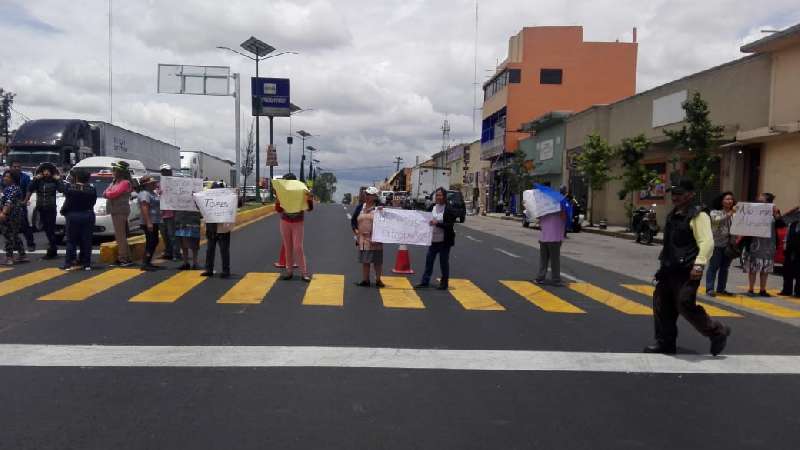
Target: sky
(378, 77)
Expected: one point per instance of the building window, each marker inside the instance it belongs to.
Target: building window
(550, 76)
(514, 76)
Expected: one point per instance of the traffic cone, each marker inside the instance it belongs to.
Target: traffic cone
(281, 264)
(402, 263)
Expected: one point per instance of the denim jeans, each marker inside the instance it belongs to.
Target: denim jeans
(718, 268)
(80, 226)
(444, 262)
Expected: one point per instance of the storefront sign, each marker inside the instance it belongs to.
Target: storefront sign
(400, 226)
(176, 193)
(217, 205)
(753, 219)
(546, 150)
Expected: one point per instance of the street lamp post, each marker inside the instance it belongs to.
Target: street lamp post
(301, 110)
(311, 151)
(262, 51)
(303, 134)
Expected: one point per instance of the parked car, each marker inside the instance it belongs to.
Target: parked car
(456, 202)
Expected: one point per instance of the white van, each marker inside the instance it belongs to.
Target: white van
(97, 164)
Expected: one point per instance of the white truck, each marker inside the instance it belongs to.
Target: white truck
(199, 164)
(424, 181)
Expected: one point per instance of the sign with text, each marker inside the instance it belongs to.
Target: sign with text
(176, 193)
(538, 204)
(270, 97)
(753, 219)
(401, 226)
(217, 205)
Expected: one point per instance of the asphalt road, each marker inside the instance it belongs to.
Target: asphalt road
(78, 402)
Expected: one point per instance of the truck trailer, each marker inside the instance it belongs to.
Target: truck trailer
(424, 181)
(64, 142)
(199, 164)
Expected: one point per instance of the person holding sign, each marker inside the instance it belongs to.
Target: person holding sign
(759, 255)
(292, 202)
(444, 237)
(187, 230)
(723, 243)
(369, 252)
(688, 245)
(219, 233)
(149, 204)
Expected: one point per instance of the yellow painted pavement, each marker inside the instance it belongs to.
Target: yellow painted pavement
(84, 289)
(777, 293)
(15, 284)
(251, 289)
(759, 305)
(541, 298)
(611, 299)
(472, 297)
(399, 293)
(171, 289)
(712, 310)
(325, 290)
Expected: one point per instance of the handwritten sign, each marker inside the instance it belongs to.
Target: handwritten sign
(400, 226)
(176, 193)
(753, 219)
(217, 205)
(538, 204)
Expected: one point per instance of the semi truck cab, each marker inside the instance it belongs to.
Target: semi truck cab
(62, 142)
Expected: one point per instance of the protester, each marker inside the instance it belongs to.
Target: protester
(688, 245)
(791, 261)
(24, 184)
(150, 207)
(78, 211)
(551, 235)
(45, 185)
(721, 214)
(368, 252)
(444, 237)
(759, 254)
(167, 227)
(11, 212)
(292, 234)
(218, 233)
(118, 204)
(187, 230)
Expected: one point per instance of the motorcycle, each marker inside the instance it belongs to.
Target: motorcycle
(644, 224)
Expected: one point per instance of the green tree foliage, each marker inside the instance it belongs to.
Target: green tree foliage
(697, 136)
(635, 176)
(6, 100)
(324, 187)
(594, 162)
(519, 179)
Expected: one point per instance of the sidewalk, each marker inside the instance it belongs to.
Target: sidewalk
(611, 230)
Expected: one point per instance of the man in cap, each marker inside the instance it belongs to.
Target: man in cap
(688, 244)
(168, 224)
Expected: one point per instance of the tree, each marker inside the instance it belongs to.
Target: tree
(594, 162)
(248, 163)
(324, 187)
(635, 176)
(697, 136)
(517, 175)
(6, 100)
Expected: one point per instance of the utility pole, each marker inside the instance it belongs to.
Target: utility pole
(397, 161)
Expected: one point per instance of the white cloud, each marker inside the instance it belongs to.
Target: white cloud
(380, 76)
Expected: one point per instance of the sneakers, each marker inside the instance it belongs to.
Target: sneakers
(718, 342)
(124, 263)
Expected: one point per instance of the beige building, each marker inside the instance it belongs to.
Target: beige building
(752, 98)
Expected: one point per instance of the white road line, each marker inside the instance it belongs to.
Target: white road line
(571, 277)
(507, 253)
(23, 355)
(473, 239)
(60, 252)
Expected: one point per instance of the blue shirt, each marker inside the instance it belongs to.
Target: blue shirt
(24, 182)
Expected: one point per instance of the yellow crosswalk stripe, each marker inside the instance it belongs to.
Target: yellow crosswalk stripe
(5, 269)
(541, 298)
(251, 289)
(472, 297)
(29, 279)
(93, 286)
(611, 299)
(171, 289)
(399, 293)
(325, 290)
(777, 293)
(758, 305)
(712, 310)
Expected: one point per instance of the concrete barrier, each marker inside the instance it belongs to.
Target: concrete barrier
(108, 250)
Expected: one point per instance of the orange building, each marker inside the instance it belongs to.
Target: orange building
(551, 69)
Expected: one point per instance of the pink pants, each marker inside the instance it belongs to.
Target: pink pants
(292, 233)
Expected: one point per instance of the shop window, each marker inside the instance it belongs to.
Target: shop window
(550, 76)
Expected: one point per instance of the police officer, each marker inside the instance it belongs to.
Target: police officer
(688, 244)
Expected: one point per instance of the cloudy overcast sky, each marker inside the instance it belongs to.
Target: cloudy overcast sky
(379, 75)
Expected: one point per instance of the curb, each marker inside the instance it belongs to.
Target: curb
(617, 234)
(108, 250)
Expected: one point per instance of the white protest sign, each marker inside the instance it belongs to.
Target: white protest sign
(753, 219)
(538, 204)
(400, 226)
(176, 193)
(527, 202)
(217, 205)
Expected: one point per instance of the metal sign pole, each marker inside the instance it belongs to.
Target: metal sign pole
(270, 146)
(238, 101)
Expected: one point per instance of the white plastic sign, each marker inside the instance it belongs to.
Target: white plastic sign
(753, 219)
(176, 193)
(217, 205)
(538, 204)
(400, 226)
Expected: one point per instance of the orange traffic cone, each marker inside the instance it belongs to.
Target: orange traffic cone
(403, 261)
(281, 264)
